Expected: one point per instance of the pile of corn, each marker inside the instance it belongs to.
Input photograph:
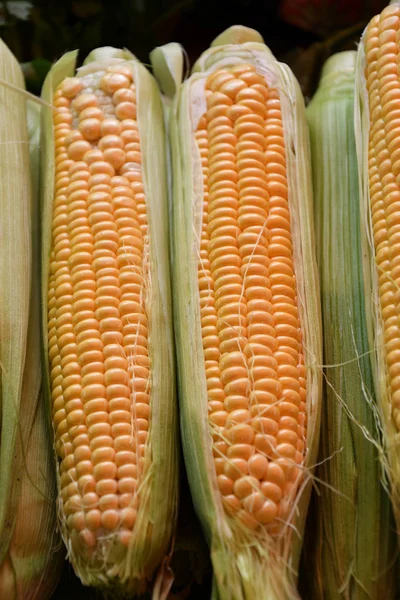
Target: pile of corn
(217, 221)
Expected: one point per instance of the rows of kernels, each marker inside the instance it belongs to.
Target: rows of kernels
(251, 333)
(383, 84)
(97, 318)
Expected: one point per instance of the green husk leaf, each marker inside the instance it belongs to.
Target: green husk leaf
(167, 62)
(15, 275)
(237, 34)
(356, 557)
(247, 565)
(35, 554)
(31, 558)
(156, 513)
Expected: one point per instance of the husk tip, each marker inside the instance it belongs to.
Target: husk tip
(237, 34)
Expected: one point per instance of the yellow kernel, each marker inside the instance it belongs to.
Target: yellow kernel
(125, 110)
(127, 500)
(105, 470)
(71, 86)
(244, 451)
(244, 486)
(86, 484)
(110, 126)
(90, 500)
(73, 136)
(110, 141)
(231, 503)
(103, 455)
(286, 450)
(108, 502)
(93, 519)
(234, 468)
(92, 112)
(84, 101)
(78, 520)
(82, 453)
(115, 156)
(77, 150)
(276, 474)
(225, 485)
(106, 486)
(271, 491)
(240, 434)
(267, 512)
(124, 95)
(121, 68)
(111, 82)
(127, 471)
(128, 517)
(253, 502)
(110, 519)
(90, 129)
(124, 537)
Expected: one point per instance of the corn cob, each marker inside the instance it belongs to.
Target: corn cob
(107, 319)
(246, 311)
(376, 126)
(353, 561)
(30, 557)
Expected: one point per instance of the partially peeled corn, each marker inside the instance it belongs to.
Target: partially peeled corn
(247, 316)
(377, 136)
(354, 547)
(107, 318)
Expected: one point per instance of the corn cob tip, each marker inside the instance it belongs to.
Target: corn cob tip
(237, 34)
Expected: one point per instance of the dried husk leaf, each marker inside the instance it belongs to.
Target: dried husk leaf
(156, 515)
(247, 565)
(355, 552)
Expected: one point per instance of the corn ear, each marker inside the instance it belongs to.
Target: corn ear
(353, 560)
(108, 564)
(30, 550)
(248, 562)
(15, 273)
(374, 114)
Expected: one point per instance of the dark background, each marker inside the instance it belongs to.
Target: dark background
(302, 33)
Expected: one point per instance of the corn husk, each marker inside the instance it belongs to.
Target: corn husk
(190, 559)
(247, 565)
(376, 339)
(168, 63)
(130, 573)
(30, 558)
(354, 549)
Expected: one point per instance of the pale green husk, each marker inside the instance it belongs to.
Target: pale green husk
(107, 568)
(30, 558)
(15, 273)
(354, 549)
(168, 63)
(391, 436)
(247, 565)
